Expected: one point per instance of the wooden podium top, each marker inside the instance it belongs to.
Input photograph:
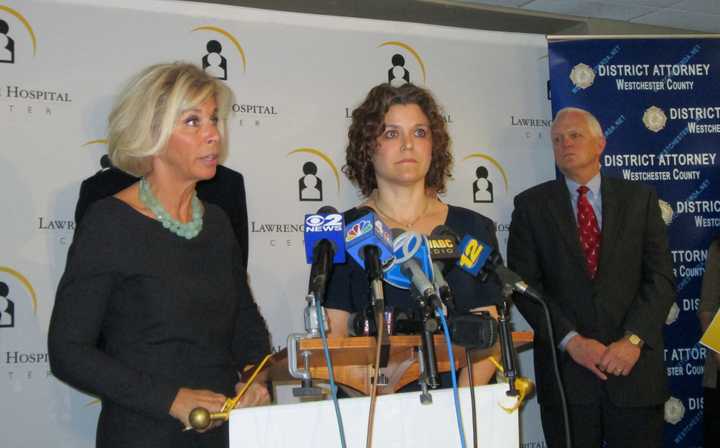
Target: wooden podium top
(354, 358)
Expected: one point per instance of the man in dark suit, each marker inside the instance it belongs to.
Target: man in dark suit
(597, 248)
(226, 190)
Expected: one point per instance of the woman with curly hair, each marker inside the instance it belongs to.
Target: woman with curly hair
(398, 155)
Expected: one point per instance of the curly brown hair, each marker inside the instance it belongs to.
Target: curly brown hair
(368, 123)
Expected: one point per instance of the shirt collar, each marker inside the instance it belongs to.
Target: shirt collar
(593, 185)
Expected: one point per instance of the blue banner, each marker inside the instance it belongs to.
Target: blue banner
(659, 103)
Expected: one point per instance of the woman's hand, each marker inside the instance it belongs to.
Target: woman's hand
(188, 399)
(256, 395)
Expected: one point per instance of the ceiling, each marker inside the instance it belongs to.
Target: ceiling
(581, 17)
(695, 15)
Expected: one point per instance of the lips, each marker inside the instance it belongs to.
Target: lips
(209, 159)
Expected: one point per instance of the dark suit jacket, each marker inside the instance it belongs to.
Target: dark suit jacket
(633, 290)
(226, 190)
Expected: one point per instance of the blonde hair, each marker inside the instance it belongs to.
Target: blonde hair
(145, 112)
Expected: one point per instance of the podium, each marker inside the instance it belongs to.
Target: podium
(400, 421)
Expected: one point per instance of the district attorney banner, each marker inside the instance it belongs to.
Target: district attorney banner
(658, 102)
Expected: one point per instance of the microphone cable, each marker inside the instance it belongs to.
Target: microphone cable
(556, 370)
(521, 287)
(331, 373)
(380, 324)
(451, 358)
(471, 382)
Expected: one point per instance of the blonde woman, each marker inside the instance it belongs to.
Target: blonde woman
(153, 313)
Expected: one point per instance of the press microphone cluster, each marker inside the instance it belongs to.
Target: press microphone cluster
(406, 260)
(418, 263)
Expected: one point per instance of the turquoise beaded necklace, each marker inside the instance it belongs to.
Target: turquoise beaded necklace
(188, 230)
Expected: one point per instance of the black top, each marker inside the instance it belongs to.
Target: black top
(349, 290)
(226, 189)
(141, 312)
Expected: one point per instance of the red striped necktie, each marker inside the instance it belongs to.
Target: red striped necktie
(588, 231)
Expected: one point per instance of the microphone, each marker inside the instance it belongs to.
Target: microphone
(477, 258)
(443, 245)
(368, 230)
(480, 259)
(368, 242)
(413, 259)
(362, 323)
(409, 246)
(471, 331)
(443, 250)
(324, 246)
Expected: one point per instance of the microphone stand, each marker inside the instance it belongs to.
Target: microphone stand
(430, 326)
(371, 254)
(512, 282)
(312, 328)
(506, 343)
(314, 299)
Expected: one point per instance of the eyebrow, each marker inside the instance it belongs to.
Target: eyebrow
(389, 125)
(198, 110)
(572, 129)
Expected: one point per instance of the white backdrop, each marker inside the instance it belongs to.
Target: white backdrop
(296, 77)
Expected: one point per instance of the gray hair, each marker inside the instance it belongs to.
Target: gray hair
(592, 122)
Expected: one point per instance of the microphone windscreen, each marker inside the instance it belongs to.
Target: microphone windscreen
(327, 210)
(442, 244)
(406, 246)
(443, 231)
(356, 212)
(473, 255)
(368, 230)
(326, 225)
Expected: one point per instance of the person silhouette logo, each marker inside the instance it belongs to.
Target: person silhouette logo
(105, 163)
(213, 62)
(7, 44)
(310, 186)
(7, 307)
(398, 75)
(482, 187)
